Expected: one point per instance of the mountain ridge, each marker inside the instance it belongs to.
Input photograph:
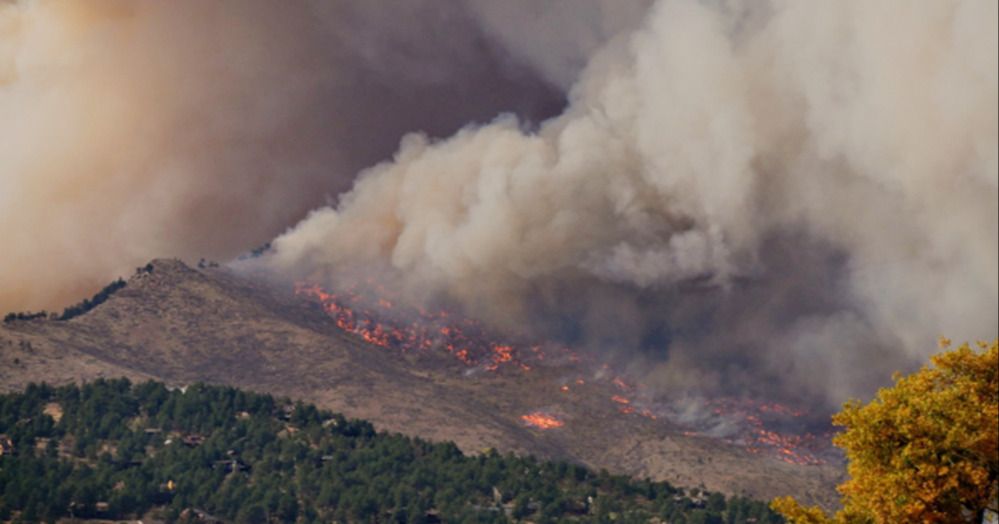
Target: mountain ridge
(183, 324)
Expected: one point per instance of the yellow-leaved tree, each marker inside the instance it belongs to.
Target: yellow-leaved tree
(924, 450)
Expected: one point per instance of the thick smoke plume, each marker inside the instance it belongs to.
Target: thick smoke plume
(130, 130)
(770, 197)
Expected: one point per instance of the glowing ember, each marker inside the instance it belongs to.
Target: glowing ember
(541, 420)
(620, 400)
(758, 437)
(501, 355)
(625, 406)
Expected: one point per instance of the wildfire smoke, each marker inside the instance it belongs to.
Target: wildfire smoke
(761, 200)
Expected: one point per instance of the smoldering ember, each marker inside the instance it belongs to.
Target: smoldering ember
(535, 261)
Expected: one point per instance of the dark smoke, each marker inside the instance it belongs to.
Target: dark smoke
(764, 199)
(200, 129)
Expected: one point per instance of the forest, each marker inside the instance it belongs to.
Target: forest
(111, 449)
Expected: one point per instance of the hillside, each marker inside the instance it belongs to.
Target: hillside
(113, 450)
(182, 325)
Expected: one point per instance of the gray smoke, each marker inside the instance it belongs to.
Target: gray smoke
(781, 198)
(130, 130)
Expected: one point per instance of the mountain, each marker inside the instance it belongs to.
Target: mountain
(181, 324)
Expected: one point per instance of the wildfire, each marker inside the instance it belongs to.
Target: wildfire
(621, 384)
(377, 318)
(758, 437)
(541, 420)
(501, 355)
(378, 321)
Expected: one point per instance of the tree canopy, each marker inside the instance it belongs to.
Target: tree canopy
(112, 450)
(923, 450)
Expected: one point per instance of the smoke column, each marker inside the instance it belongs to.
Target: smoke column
(777, 198)
(130, 130)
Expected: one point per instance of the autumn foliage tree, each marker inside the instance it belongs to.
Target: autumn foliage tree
(924, 450)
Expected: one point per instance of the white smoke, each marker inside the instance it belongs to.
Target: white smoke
(132, 130)
(796, 193)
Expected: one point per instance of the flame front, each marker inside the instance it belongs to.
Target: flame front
(757, 437)
(541, 420)
(378, 321)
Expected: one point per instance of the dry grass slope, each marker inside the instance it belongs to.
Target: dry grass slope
(182, 324)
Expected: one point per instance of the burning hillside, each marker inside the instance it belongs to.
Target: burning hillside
(369, 312)
(628, 233)
(628, 202)
(768, 427)
(184, 325)
(762, 218)
(388, 324)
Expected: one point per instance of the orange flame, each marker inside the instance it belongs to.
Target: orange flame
(541, 420)
(790, 448)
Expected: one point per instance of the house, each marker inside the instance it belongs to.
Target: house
(6, 445)
(199, 515)
(231, 466)
(193, 440)
(286, 411)
(325, 458)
